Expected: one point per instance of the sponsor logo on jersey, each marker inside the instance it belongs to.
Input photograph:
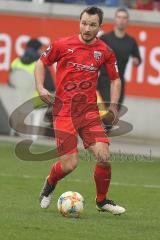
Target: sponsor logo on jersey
(97, 55)
(82, 67)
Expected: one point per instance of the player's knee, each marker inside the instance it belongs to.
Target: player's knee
(73, 166)
(103, 160)
(70, 164)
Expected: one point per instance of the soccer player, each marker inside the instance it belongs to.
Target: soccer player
(75, 110)
(124, 46)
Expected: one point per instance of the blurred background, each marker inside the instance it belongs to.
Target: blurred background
(26, 29)
(47, 20)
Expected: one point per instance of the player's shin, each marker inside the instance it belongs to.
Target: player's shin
(102, 176)
(56, 173)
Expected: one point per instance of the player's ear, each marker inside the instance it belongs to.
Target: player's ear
(100, 33)
(100, 27)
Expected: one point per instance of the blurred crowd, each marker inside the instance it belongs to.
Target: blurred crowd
(133, 4)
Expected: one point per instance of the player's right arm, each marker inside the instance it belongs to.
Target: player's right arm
(44, 94)
(50, 56)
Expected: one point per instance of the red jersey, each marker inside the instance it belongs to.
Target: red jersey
(77, 68)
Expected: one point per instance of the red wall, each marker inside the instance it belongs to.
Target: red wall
(16, 30)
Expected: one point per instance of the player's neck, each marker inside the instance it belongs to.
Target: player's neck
(87, 43)
(119, 33)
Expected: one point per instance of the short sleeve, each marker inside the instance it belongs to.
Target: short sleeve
(111, 64)
(51, 54)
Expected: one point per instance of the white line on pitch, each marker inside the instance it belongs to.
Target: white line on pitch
(85, 181)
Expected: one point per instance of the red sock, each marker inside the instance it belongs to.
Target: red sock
(56, 173)
(102, 176)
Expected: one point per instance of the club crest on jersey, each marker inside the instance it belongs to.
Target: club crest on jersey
(97, 55)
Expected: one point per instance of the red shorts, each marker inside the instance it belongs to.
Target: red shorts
(87, 126)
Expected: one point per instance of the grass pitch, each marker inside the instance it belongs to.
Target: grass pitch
(135, 185)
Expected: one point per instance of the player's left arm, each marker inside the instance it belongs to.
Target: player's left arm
(115, 90)
(115, 86)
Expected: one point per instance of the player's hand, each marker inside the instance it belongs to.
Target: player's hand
(45, 95)
(113, 108)
(135, 61)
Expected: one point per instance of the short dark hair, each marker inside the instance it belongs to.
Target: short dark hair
(92, 11)
(122, 9)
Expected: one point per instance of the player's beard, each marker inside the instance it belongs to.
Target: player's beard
(89, 39)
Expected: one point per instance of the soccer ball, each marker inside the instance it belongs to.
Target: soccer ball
(70, 204)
